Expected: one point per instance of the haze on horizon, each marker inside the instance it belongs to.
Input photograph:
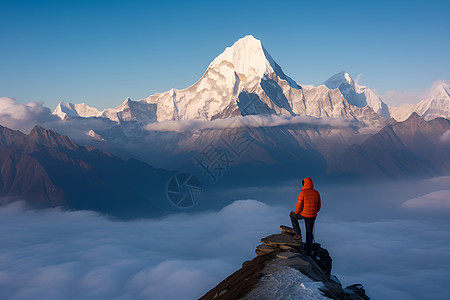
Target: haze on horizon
(100, 54)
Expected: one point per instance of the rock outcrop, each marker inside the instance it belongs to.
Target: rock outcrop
(282, 270)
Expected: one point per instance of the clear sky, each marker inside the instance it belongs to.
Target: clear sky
(101, 52)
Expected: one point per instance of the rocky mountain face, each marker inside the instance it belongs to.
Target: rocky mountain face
(47, 169)
(281, 270)
(357, 95)
(68, 110)
(22, 174)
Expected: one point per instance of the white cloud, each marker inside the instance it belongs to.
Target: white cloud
(358, 78)
(438, 200)
(250, 121)
(399, 97)
(393, 259)
(54, 254)
(23, 117)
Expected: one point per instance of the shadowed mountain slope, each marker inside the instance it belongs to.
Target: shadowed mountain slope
(47, 169)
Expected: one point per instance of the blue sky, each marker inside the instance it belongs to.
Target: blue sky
(101, 52)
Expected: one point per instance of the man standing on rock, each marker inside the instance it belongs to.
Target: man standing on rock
(308, 205)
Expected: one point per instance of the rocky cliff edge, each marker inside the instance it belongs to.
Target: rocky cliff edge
(282, 270)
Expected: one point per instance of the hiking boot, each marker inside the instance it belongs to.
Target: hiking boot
(286, 229)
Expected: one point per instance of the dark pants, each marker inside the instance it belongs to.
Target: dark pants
(309, 224)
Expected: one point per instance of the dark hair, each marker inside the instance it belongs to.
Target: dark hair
(303, 182)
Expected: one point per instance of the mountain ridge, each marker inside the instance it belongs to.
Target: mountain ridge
(247, 67)
(412, 147)
(242, 80)
(47, 169)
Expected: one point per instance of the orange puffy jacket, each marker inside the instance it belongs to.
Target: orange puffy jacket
(308, 202)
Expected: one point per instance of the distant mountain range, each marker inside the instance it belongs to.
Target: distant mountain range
(245, 80)
(47, 169)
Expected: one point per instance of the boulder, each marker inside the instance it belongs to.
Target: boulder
(322, 258)
(356, 291)
(287, 254)
(263, 249)
(280, 239)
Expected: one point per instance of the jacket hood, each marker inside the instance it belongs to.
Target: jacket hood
(308, 184)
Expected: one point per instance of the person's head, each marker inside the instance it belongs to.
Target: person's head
(307, 183)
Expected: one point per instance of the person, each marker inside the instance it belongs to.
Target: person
(308, 205)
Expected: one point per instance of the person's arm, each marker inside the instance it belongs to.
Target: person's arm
(299, 206)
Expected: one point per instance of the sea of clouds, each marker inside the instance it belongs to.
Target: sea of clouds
(56, 254)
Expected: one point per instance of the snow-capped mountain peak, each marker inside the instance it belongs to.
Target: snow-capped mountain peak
(442, 90)
(357, 95)
(436, 104)
(341, 78)
(247, 57)
(249, 60)
(64, 110)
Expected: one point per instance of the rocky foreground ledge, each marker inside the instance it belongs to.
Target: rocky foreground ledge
(282, 270)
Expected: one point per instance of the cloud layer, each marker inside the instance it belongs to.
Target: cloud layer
(438, 200)
(56, 254)
(250, 121)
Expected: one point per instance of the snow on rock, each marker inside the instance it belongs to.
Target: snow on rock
(402, 112)
(131, 110)
(250, 60)
(91, 133)
(435, 105)
(357, 95)
(287, 283)
(64, 110)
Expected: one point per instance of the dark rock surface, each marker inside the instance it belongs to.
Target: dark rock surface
(280, 239)
(241, 282)
(278, 252)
